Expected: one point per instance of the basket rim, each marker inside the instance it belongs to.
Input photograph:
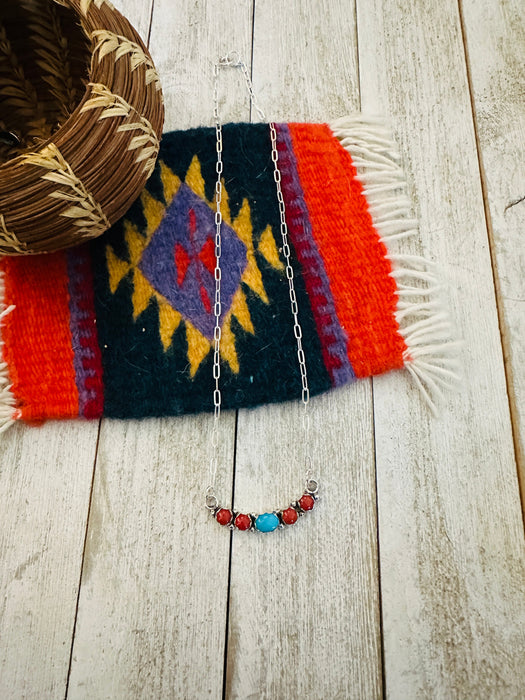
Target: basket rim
(122, 103)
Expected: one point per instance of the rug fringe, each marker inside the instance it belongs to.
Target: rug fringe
(431, 356)
(7, 399)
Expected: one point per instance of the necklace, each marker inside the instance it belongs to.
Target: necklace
(269, 521)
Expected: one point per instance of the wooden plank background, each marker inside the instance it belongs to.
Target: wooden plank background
(409, 582)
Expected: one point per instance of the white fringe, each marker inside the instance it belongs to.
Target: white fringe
(7, 399)
(431, 355)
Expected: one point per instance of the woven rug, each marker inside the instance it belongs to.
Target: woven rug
(123, 326)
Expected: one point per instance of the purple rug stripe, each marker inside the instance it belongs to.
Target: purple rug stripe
(333, 337)
(77, 259)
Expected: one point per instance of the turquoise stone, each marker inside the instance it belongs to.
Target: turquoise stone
(266, 522)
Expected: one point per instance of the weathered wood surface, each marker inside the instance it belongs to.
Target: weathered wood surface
(494, 35)
(45, 484)
(310, 621)
(450, 530)
(419, 596)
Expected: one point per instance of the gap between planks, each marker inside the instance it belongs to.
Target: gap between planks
(88, 516)
(505, 340)
(90, 501)
(225, 679)
(376, 484)
(378, 539)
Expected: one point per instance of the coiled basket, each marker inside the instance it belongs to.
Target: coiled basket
(81, 114)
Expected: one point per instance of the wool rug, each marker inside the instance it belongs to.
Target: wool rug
(123, 326)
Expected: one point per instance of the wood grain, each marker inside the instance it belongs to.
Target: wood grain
(495, 43)
(152, 609)
(162, 611)
(305, 59)
(451, 537)
(304, 603)
(45, 482)
(304, 608)
(187, 39)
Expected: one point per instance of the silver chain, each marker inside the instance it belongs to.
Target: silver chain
(233, 60)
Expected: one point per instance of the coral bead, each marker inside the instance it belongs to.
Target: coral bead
(289, 516)
(306, 502)
(224, 516)
(243, 522)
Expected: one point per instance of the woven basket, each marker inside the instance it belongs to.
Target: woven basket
(81, 114)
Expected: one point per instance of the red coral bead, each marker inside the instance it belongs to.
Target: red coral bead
(289, 516)
(243, 522)
(224, 516)
(306, 502)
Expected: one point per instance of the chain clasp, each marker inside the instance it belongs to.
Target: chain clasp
(233, 58)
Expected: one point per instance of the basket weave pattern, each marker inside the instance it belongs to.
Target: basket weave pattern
(86, 105)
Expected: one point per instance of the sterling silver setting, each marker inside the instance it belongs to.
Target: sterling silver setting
(227, 517)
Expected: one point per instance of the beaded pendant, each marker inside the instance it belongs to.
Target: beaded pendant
(265, 522)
